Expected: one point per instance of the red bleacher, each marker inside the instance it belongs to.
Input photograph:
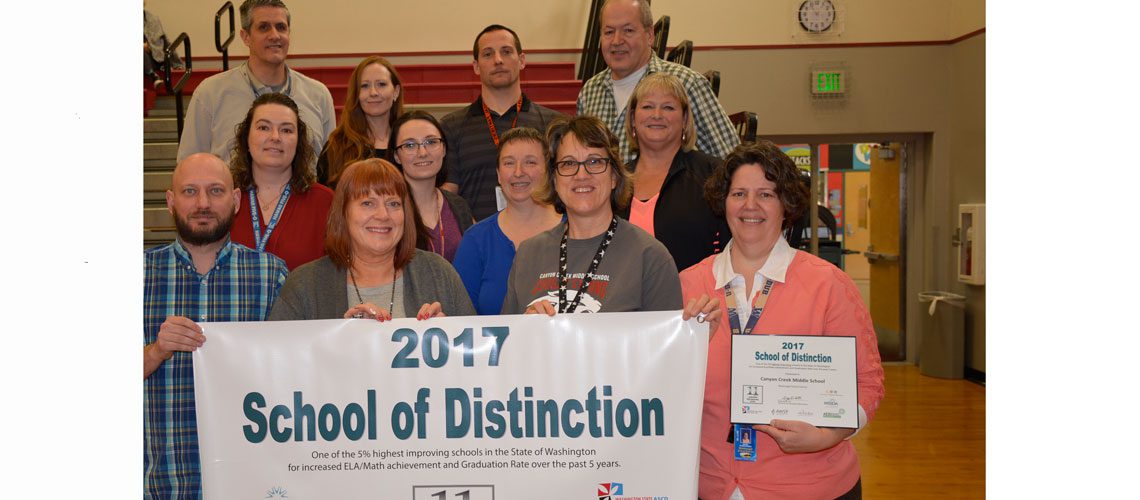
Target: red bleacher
(551, 84)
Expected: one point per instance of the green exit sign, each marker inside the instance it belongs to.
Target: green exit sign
(828, 82)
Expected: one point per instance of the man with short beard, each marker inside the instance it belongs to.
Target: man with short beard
(201, 276)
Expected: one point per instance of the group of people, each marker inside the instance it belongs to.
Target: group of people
(644, 201)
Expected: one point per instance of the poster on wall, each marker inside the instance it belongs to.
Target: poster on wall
(799, 153)
(861, 156)
(472, 408)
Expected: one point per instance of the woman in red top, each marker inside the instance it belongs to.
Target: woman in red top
(283, 209)
(759, 191)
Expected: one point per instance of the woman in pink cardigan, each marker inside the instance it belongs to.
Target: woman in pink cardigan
(759, 191)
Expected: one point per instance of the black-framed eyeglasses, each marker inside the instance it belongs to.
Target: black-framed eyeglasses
(569, 168)
(410, 147)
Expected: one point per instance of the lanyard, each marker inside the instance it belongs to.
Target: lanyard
(757, 308)
(563, 307)
(269, 226)
(491, 123)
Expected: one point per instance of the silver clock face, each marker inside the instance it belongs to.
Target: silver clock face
(817, 16)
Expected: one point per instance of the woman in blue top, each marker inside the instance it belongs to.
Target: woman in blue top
(487, 249)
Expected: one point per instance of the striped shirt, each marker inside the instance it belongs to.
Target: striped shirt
(240, 287)
(715, 134)
(472, 157)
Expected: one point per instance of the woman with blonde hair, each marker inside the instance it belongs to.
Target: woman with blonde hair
(669, 174)
(374, 100)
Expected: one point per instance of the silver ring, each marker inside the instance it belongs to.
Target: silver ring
(701, 317)
(358, 315)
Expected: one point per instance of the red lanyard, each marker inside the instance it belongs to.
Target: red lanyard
(491, 123)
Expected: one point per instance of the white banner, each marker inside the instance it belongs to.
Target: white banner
(579, 406)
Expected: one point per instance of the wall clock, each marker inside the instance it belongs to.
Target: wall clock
(817, 16)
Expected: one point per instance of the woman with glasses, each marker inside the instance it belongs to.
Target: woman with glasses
(283, 209)
(373, 269)
(594, 261)
(375, 99)
(417, 146)
(669, 174)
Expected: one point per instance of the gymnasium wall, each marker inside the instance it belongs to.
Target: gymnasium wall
(916, 69)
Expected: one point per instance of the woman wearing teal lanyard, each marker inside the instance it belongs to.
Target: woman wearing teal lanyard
(594, 261)
(774, 289)
(283, 209)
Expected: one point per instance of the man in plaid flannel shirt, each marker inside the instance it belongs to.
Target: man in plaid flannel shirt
(202, 276)
(627, 47)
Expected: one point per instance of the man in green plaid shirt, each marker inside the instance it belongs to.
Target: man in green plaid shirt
(627, 41)
(202, 276)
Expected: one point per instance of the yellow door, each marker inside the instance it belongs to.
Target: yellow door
(883, 253)
(857, 230)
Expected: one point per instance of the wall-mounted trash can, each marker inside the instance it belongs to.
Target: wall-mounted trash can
(942, 349)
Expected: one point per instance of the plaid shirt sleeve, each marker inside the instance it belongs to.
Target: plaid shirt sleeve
(715, 134)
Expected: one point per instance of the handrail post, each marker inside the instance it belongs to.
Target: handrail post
(176, 89)
(223, 47)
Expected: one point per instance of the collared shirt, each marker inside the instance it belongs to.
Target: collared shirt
(715, 134)
(776, 268)
(472, 157)
(241, 286)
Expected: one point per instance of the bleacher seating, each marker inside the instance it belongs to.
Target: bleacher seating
(714, 80)
(436, 88)
(660, 35)
(681, 54)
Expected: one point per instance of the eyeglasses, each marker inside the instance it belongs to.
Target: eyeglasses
(569, 168)
(410, 147)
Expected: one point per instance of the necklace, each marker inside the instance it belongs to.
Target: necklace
(563, 307)
(439, 224)
(360, 299)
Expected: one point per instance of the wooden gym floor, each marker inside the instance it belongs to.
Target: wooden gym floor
(928, 439)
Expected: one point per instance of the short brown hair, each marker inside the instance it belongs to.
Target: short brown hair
(670, 85)
(241, 162)
(488, 29)
(777, 168)
(357, 181)
(591, 132)
(524, 134)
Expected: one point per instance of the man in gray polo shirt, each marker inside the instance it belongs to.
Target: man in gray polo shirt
(221, 101)
(473, 132)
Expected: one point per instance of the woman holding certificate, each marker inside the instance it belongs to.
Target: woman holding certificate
(775, 289)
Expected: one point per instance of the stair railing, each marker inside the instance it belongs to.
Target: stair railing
(176, 89)
(224, 47)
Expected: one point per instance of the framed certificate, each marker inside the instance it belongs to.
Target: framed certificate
(794, 377)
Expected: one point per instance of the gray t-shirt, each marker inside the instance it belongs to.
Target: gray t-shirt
(636, 274)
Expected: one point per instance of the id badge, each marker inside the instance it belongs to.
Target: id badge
(744, 443)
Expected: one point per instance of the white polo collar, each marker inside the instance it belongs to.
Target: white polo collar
(776, 267)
